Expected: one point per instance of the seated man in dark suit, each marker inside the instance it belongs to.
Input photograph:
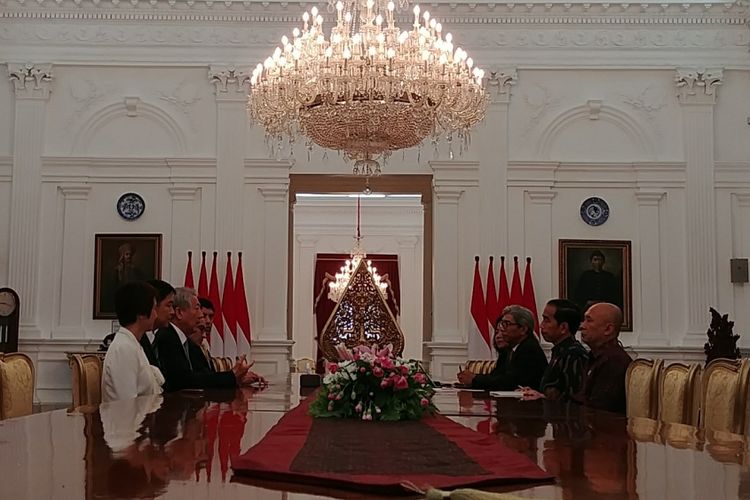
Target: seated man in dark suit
(173, 346)
(525, 363)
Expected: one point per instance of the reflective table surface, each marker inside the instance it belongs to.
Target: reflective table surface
(178, 446)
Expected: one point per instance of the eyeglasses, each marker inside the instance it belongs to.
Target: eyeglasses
(504, 324)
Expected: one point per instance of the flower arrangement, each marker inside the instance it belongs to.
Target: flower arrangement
(373, 384)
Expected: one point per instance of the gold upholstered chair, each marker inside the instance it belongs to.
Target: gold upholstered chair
(724, 395)
(304, 365)
(16, 385)
(480, 366)
(642, 387)
(86, 373)
(679, 393)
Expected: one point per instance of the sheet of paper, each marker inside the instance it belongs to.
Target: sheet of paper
(506, 394)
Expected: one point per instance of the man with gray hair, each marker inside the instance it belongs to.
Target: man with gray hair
(525, 363)
(173, 345)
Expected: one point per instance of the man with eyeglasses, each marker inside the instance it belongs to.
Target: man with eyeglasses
(525, 362)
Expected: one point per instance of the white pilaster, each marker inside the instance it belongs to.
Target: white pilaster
(274, 276)
(696, 92)
(231, 87)
(492, 144)
(455, 187)
(303, 327)
(185, 230)
(539, 244)
(650, 308)
(411, 317)
(72, 287)
(32, 83)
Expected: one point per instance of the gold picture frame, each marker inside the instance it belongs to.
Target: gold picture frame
(583, 283)
(119, 258)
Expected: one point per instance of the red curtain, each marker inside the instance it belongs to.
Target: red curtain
(326, 267)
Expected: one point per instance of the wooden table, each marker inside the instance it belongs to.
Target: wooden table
(164, 449)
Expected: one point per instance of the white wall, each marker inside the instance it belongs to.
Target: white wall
(584, 102)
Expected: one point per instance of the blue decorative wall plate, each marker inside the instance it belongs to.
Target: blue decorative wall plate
(130, 206)
(594, 211)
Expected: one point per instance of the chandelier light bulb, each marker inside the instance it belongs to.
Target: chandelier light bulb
(314, 11)
(306, 16)
(391, 6)
(339, 6)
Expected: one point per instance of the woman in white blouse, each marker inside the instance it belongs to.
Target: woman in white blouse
(127, 373)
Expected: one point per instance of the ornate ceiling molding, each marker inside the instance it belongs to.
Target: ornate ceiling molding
(455, 12)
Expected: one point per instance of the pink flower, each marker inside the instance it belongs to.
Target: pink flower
(386, 363)
(419, 378)
(358, 408)
(344, 353)
(404, 370)
(333, 367)
(385, 383)
(377, 371)
(400, 383)
(330, 406)
(424, 401)
(361, 369)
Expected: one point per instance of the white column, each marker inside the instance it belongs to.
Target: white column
(648, 319)
(32, 83)
(185, 232)
(303, 329)
(275, 250)
(411, 296)
(445, 263)
(231, 84)
(72, 286)
(491, 139)
(539, 245)
(696, 91)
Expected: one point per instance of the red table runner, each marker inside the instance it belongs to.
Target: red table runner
(376, 457)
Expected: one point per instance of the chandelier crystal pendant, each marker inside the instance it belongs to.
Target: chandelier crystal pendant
(336, 288)
(370, 88)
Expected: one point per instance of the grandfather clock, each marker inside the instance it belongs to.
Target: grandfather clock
(8, 320)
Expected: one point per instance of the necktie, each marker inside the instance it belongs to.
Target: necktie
(187, 353)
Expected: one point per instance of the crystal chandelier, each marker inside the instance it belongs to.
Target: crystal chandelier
(369, 89)
(336, 288)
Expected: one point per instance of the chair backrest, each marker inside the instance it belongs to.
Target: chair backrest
(724, 395)
(480, 366)
(228, 363)
(218, 363)
(642, 389)
(304, 365)
(16, 385)
(679, 393)
(86, 372)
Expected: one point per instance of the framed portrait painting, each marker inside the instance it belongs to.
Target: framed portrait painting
(119, 258)
(597, 271)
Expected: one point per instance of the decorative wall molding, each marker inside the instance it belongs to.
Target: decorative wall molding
(732, 175)
(455, 11)
(6, 168)
(97, 170)
(555, 175)
(594, 109)
(454, 174)
(31, 81)
(499, 83)
(75, 191)
(130, 107)
(698, 86)
(230, 82)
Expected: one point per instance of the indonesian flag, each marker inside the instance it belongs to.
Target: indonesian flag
(189, 283)
(503, 297)
(479, 334)
(516, 294)
(203, 278)
(490, 300)
(230, 339)
(529, 298)
(242, 313)
(217, 329)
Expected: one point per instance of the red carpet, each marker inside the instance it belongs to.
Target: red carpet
(375, 457)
